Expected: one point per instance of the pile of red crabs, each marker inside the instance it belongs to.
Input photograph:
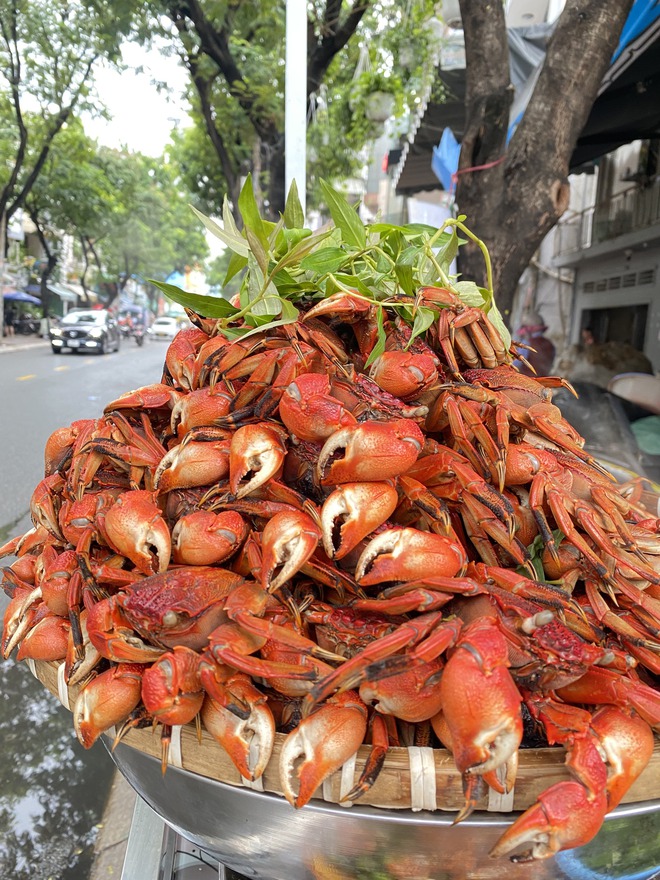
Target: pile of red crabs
(284, 535)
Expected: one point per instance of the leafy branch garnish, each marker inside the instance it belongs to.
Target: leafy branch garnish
(285, 263)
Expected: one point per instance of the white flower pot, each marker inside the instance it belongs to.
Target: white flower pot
(379, 106)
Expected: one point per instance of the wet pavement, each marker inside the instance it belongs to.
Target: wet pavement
(51, 788)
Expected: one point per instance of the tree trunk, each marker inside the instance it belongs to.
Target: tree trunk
(513, 202)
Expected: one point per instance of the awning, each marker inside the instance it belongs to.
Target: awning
(64, 293)
(626, 109)
(83, 296)
(21, 296)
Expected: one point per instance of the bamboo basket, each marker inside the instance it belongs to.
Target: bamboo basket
(411, 778)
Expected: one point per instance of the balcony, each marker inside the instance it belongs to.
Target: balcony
(628, 212)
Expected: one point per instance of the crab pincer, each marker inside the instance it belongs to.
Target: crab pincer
(171, 687)
(107, 700)
(320, 744)
(352, 512)
(480, 701)
(310, 412)
(247, 736)
(409, 554)
(135, 528)
(289, 539)
(256, 454)
(372, 450)
(564, 816)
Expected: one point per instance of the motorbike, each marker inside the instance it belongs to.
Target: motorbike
(26, 326)
(139, 333)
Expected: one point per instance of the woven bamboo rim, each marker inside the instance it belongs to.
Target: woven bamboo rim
(411, 778)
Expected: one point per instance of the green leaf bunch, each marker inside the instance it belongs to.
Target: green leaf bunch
(286, 267)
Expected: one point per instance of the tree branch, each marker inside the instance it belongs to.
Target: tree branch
(334, 36)
(214, 42)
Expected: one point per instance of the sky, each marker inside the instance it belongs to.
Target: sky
(142, 117)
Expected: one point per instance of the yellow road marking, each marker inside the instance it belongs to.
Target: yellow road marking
(63, 367)
(29, 376)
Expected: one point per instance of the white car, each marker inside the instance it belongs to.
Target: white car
(165, 328)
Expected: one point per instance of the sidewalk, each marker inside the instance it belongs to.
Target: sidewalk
(114, 828)
(21, 343)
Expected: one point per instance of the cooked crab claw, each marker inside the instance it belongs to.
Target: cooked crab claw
(404, 373)
(47, 640)
(352, 512)
(248, 741)
(256, 454)
(107, 700)
(409, 554)
(199, 407)
(112, 635)
(309, 411)
(195, 463)
(135, 528)
(288, 541)
(156, 396)
(19, 617)
(564, 816)
(476, 675)
(206, 538)
(627, 741)
(372, 451)
(171, 687)
(320, 745)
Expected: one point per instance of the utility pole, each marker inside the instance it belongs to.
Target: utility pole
(295, 99)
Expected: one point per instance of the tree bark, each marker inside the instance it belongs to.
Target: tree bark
(49, 268)
(513, 202)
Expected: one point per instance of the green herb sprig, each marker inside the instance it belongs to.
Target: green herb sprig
(285, 264)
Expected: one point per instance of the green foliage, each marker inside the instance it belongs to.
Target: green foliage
(383, 264)
(46, 62)
(246, 96)
(151, 229)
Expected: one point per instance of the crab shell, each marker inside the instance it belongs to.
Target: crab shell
(181, 606)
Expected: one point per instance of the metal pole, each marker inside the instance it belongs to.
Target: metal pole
(295, 99)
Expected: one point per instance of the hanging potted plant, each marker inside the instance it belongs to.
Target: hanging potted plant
(375, 95)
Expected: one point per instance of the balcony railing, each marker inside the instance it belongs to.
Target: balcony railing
(627, 211)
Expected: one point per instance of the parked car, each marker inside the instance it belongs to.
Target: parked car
(165, 328)
(86, 330)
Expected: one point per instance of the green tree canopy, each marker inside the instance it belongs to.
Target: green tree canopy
(234, 53)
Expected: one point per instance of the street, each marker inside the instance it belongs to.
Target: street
(41, 391)
(52, 791)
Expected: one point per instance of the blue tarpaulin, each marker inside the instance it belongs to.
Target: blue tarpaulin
(444, 161)
(21, 296)
(641, 16)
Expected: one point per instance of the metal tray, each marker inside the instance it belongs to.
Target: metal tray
(260, 835)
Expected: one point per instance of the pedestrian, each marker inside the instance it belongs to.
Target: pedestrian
(44, 326)
(587, 337)
(541, 353)
(10, 320)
